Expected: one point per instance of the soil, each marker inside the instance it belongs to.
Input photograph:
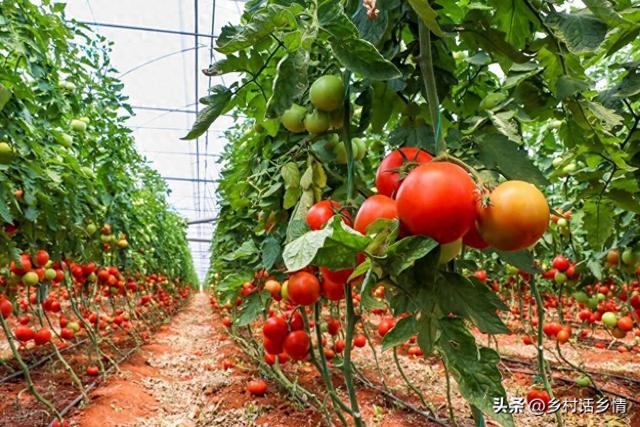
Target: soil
(178, 379)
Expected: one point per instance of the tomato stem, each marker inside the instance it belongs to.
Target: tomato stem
(429, 80)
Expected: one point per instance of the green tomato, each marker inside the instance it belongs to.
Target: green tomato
(317, 122)
(66, 85)
(87, 120)
(581, 297)
(105, 238)
(30, 279)
(327, 93)
(592, 303)
(601, 297)
(555, 124)
(629, 257)
(562, 222)
(74, 326)
(284, 290)
(293, 118)
(583, 381)
(449, 251)
(66, 140)
(560, 278)
(78, 125)
(609, 319)
(340, 152)
(332, 140)
(6, 153)
(360, 147)
(50, 274)
(91, 228)
(570, 168)
(511, 269)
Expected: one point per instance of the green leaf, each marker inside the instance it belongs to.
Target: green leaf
(252, 307)
(5, 96)
(505, 125)
(230, 285)
(474, 301)
(493, 41)
(567, 86)
(270, 252)
(514, 19)
(581, 32)
(404, 329)
(625, 200)
(362, 57)
(404, 253)
(596, 268)
(428, 331)
(479, 380)
(245, 250)
(290, 174)
(598, 223)
(290, 82)
(301, 252)
(497, 151)
(522, 259)
(428, 15)
(551, 66)
(605, 11)
(260, 26)
(291, 197)
(332, 19)
(216, 103)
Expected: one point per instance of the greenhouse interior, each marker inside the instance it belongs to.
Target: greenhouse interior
(319, 213)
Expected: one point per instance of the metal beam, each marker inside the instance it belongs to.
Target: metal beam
(175, 178)
(147, 29)
(197, 240)
(201, 221)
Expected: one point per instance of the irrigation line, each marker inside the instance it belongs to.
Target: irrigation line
(40, 362)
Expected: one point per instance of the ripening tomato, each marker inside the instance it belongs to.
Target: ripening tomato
(297, 345)
(563, 335)
(625, 323)
(320, 213)
(551, 329)
(375, 207)
(304, 288)
(516, 216)
(93, 371)
(438, 200)
(395, 167)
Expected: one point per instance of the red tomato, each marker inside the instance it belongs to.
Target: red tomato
(625, 323)
(332, 290)
(276, 329)
(438, 200)
(541, 395)
(481, 275)
(320, 213)
(93, 371)
(359, 341)
(303, 288)
(24, 333)
(560, 263)
(333, 326)
(375, 207)
(390, 172)
(297, 345)
(272, 346)
(6, 308)
(516, 216)
(337, 276)
(474, 239)
(43, 336)
(385, 326)
(296, 323)
(339, 346)
(257, 387)
(41, 258)
(551, 329)
(270, 359)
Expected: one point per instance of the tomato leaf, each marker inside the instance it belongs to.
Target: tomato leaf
(522, 259)
(404, 329)
(5, 96)
(474, 301)
(215, 104)
(252, 307)
(474, 369)
(498, 152)
(290, 82)
(428, 16)
(581, 32)
(598, 223)
(271, 251)
(404, 253)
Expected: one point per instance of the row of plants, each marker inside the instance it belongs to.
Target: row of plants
(393, 149)
(92, 257)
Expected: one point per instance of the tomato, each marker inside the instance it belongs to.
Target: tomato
(618, 333)
(6, 308)
(339, 346)
(270, 359)
(610, 319)
(527, 340)
(583, 381)
(516, 216)
(540, 395)
(274, 288)
(438, 200)
(272, 346)
(304, 288)
(560, 263)
(43, 336)
(613, 258)
(337, 276)
(375, 207)
(297, 345)
(275, 328)
(296, 323)
(359, 148)
(293, 118)
(551, 329)
(57, 423)
(320, 213)
(333, 291)
(93, 371)
(449, 251)
(226, 321)
(333, 327)
(385, 326)
(317, 122)
(41, 258)
(6, 153)
(23, 267)
(78, 125)
(359, 341)
(24, 333)
(395, 166)
(283, 358)
(473, 238)
(257, 387)
(481, 275)
(563, 335)
(625, 323)
(327, 93)
(67, 333)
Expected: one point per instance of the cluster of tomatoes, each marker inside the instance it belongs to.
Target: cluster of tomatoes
(439, 199)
